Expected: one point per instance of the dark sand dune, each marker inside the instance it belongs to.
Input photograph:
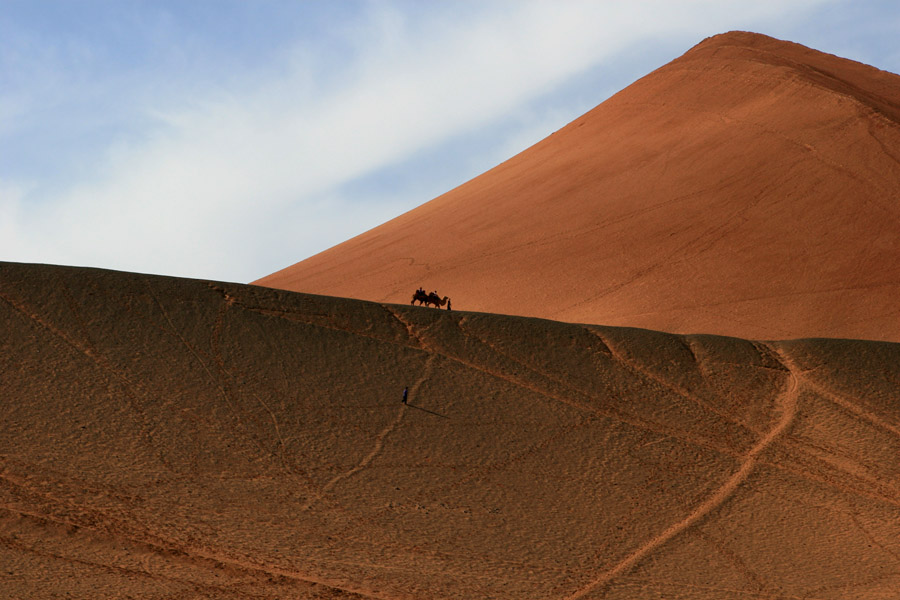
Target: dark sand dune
(169, 438)
(748, 188)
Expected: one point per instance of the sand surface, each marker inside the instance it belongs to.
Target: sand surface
(179, 439)
(748, 188)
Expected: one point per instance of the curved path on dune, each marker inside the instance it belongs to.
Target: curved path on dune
(787, 404)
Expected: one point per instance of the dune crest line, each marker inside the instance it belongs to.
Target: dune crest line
(788, 402)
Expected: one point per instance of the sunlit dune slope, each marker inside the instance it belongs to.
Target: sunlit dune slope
(748, 188)
(170, 438)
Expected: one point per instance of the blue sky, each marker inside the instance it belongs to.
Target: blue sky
(226, 139)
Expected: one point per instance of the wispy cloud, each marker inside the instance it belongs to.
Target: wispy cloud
(232, 174)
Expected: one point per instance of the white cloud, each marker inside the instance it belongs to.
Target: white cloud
(14, 243)
(207, 190)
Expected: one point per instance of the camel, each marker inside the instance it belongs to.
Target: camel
(438, 302)
(420, 296)
(429, 299)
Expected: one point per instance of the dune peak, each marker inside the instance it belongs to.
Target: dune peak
(747, 188)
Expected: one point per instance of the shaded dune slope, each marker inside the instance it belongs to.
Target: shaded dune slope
(169, 438)
(748, 188)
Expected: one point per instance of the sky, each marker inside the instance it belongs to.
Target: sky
(228, 139)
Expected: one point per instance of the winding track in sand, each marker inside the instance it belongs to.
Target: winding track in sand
(788, 402)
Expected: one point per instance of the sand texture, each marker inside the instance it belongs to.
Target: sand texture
(748, 188)
(166, 438)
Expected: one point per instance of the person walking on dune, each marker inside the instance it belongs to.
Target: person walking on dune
(405, 394)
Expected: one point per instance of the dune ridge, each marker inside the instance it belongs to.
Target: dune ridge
(748, 188)
(173, 438)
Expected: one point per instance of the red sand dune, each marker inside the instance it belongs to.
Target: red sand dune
(748, 188)
(174, 439)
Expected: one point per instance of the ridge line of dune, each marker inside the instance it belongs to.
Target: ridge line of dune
(816, 154)
(877, 488)
(789, 402)
(290, 315)
(794, 65)
(611, 413)
(813, 75)
(843, 87)
(640, 370)
(859, 411)
(483, 369)
(469, 333)
(503, 377)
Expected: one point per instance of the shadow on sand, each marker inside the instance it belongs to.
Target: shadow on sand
(431, 412)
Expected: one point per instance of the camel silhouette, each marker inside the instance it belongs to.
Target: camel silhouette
(429, 299)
